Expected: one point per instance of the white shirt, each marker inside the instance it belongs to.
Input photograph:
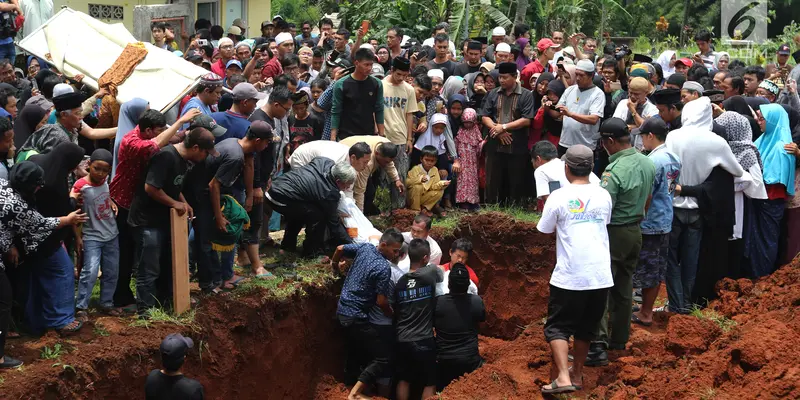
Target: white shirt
(431, 42)
(318, 148)
(623, 113)
(443, 287)
(553, 171)
(587, 102)
(578, 214)
(436, 251)
(36, 13)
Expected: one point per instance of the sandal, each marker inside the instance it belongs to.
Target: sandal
(636, 320)
(129, 309)
(235, 281)
(555, 389)
(213, 292)
(82, 316)
(112, 311)
(266, 275)
(71, 328)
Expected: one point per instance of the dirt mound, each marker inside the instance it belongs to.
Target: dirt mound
(745, 345)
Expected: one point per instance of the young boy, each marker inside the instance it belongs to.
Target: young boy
(99, 235)
(414, 306)
(301, 122)
(159, 32)
(657, 224)
(425, 187)
(578, 213)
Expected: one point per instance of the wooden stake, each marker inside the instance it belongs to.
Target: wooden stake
(180, 262)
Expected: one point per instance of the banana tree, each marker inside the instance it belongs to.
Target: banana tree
(461, 12)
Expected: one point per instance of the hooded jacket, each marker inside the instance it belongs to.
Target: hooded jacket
(699, 149)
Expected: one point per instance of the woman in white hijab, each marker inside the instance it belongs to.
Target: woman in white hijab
(721, 61)
(667, 62)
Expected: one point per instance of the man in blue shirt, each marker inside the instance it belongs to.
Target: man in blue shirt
(209, 91)
(657, 224)
(235, 120)
(368, 282)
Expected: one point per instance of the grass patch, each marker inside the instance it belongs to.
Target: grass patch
(65, 367)
(100, 330)
(284, 285)
(449, 223)
(155, 315)
(708, 393)
(517, 213)
(724, 323)
(51, 353)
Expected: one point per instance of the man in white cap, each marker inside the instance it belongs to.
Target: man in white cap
(691, 90)
(502, 53)
(582, 106)
(273, 68)
(498, 36)
(226, 53)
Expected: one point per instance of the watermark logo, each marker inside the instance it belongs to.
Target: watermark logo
(744, 20)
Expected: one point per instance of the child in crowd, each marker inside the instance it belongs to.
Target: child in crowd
(424, 185)
(468, 143)
(99, 235)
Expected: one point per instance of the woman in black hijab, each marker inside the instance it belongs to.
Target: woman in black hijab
(51, 303)
(739, 105)
(29, 120)
(21, 224)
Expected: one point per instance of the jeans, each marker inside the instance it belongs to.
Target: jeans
(684, 251)
(8, 52)
(96, 252)
(123, 296)
(153, 283)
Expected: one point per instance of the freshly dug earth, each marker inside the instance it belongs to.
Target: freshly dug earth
(252, 347)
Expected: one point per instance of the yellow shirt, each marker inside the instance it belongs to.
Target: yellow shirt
(360, 187)
(398, 101)
(416, 174)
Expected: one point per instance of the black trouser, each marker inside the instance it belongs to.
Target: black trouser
(299, 214)
(507, 177)
(712, 265)
(5, 310)
(364, 339)
(209, 269)
(123, 296)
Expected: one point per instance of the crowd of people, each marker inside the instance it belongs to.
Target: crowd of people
(680, 171)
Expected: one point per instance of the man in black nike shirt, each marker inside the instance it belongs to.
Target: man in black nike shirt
(414, 304)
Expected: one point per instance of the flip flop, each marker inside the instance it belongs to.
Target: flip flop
(267, 275)
(129, 309)
(235, 283)
(65, 331)
(555, 389)
(636, 320)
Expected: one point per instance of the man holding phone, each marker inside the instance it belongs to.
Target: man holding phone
(582, 106)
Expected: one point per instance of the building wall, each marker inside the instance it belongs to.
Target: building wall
(127, 8)
(256, 11)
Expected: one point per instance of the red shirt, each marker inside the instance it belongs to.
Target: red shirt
(218, 68)
(472, 276)
(272, 68)
(534, 67)
(132, 157)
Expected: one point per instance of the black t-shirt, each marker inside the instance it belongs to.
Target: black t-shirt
(447, 67)
(264, 163)
(358, 102)
(227, 166)
(312, 127)
(165, 387)
(456, 321)
(415, 301)
(462, 69)
(166, 170)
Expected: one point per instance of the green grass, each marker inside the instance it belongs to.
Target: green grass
(518, 214)
(724, 323)
(65, 367)
(449, 223)
(156, 315)
(100, 330)
(308, 271)
(51, 354)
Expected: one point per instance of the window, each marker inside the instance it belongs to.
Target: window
(104, 11)
(208, 10)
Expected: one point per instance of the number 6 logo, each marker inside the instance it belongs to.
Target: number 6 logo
(741, 17)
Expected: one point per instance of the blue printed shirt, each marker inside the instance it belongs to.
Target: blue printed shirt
(369, 275)
(658, 220)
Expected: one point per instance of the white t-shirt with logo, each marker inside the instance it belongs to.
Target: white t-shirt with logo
(552, 172)
(578, 214)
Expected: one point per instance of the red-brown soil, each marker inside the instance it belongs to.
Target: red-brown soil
(250, 347)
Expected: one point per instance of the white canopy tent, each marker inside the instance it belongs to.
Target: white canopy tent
(76, 43)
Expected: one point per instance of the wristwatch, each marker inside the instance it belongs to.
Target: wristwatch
(504, 127)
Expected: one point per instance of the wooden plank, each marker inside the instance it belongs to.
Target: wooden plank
(180, 262)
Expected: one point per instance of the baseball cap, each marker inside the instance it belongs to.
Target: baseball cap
(544, 44)
(261, 130)
(458, 281)
(685, 61)
(205, 121)
(233, 62)
(266, 24)
(240, 23)
(569, 50)
(246, 91)
(578, 156)
(614, 128)
(277, 16)
(652, 125)
(784, 50)
(377, 71)
(174, 347)
(499, 31)
(234, 30)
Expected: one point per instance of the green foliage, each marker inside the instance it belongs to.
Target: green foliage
(298, 11)
(156, 315)
(51, 354)
(517, 213)
(383, 199)
(65, 367)
(724, 323)
(100, 330)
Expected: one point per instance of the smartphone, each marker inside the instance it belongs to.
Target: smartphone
(364, 26)
(553, 107)
(349, 70)
(202, 42)
(615, 85)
